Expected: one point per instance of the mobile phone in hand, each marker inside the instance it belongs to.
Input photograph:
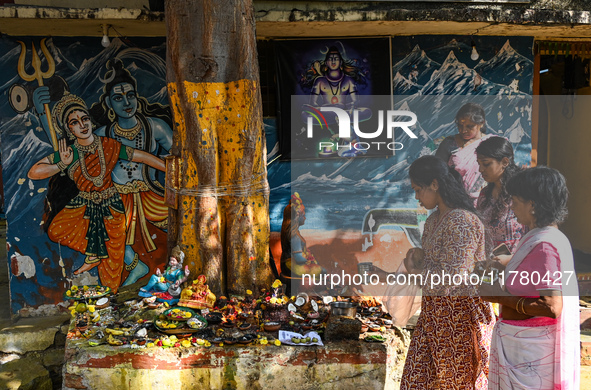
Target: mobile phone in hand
(502, 249)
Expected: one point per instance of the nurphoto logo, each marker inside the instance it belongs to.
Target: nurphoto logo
(317, 116)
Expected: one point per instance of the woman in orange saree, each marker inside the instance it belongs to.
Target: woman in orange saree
(93, 222)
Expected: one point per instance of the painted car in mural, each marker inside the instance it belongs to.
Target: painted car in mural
(123, 88)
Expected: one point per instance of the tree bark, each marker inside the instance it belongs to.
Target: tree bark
(222, 222)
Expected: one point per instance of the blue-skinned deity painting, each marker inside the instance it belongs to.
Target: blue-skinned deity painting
(110, 209)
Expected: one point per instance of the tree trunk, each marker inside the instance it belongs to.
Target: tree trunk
(222, 220)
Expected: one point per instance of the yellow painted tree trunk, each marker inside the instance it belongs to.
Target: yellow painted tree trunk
(222, 220)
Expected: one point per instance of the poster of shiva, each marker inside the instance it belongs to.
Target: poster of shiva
(84, 130)
(318, 79)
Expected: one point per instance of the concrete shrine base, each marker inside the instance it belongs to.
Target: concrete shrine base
(337, 365)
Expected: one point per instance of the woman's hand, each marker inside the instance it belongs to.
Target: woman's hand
(158, 273)
(415, 260)
(503, 260)
(45, 167)
(187, 272)
(66, 153)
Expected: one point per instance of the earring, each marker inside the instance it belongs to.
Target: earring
(111, 115)
(533, 212)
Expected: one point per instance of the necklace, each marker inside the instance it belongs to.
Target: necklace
(129, 166)
(130, 133)
(95, 145)
(335, 99)
(88, 148)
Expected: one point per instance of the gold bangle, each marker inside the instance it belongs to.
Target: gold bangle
(517, 305)
(523, 307)
(61, 165)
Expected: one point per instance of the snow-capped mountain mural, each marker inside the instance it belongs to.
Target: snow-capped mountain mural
(86, 81)
(461, 48)
(404, 86)
(507, 66)
(500, 81)
(80, 67)
(417, 68)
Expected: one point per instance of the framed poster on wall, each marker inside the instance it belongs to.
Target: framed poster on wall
(338, 74)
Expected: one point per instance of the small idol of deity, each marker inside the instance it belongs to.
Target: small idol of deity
(197, 295)
(171, 279)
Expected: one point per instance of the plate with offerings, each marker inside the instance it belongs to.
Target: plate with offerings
(78, 293)
(179, 313)
(168, 325)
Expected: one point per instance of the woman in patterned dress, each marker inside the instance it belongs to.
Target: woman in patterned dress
(451, 342)
(495, 159)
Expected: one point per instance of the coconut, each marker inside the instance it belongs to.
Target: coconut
(314, 305)
(102, 303)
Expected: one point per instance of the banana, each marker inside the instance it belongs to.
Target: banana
(114, 341)
(114, 332)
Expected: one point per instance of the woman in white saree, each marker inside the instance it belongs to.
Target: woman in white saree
(535, 344)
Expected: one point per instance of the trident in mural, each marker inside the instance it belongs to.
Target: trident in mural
(39, 75)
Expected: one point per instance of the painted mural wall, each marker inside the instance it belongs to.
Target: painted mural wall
(99, 217)
(362, 209)
(358, 209)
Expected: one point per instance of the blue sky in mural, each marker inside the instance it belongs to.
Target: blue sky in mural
(80, 62)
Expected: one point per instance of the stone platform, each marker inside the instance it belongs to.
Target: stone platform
(338, 365)
(32, 353)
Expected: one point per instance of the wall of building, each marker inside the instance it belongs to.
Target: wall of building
(344, 192)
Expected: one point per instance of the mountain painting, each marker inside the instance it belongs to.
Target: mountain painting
(78, 72)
